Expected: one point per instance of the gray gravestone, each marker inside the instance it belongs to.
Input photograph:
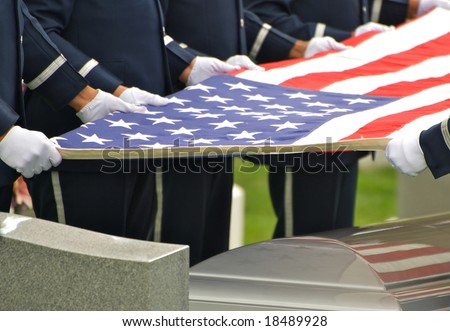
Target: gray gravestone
(50, 266)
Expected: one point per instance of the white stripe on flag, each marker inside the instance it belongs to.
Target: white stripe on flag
(430, 26)
(345, 125)
(422, 123)
(434, 67)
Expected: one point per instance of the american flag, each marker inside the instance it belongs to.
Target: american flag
(355, 99)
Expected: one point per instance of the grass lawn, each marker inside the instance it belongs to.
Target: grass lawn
(375, 201)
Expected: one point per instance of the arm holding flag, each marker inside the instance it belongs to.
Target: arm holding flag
(31, 152)
(268, 44)
(413, 153)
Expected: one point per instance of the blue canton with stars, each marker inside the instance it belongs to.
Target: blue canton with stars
(221, 111)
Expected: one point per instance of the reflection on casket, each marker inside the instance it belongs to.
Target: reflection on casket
(401, 265)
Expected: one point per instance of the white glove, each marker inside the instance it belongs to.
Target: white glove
(104, 104)
(405, 154)
(137, 96)
(29, 152)
(372, 26)
(244, 61)
(321, 44)
(426, 5)
(205, 67)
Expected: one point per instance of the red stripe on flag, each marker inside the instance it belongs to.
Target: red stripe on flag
(408, 88)
(384, 126)
(388, 64)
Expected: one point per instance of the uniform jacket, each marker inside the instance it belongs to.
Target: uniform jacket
(222, 28)
(28, 53)
(110, 43)
(435, 144)
(305, 19)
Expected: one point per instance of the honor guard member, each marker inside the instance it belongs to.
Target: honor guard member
(414, 152)
(227, 30)
(120, 47)
(28, 54)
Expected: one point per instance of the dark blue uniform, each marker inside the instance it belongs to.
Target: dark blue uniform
(110, 43)
(26, 52)
(221, 29)
(316, 192)
(435, 144)
(305, 19)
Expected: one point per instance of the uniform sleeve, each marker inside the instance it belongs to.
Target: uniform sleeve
(54, 15)
(435, 144)
(278, 14)
(8, 117)
(179, 56)
(389, 12)
(45, 68)
(265, 43)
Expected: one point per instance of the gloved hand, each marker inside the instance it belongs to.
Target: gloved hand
(426, 5)
(205, 67)
(321, 44)
(244, 61)
(372, 26)
(405, 154)
(104, 104)
(137, 96)
(29, 152)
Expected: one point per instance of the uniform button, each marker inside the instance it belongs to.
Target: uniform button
(242, 22)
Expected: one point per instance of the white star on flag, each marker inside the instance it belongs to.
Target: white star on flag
(287, 125)
(269, 117)
(201, 141)
(121, 123)
(225, 124)
(234, 108)
(336, 110)
(300, 95)
(93, 139)
(216, 98)
(200, 87)
(257, 97)
(277, 107)
(191, 110)
(317, 104)
(163, 120)
(303, 113)
(358, 100)
(198, 116)
(138, 136)
(183, 130)
(244, 135)
(241, 86)
(178, 101)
